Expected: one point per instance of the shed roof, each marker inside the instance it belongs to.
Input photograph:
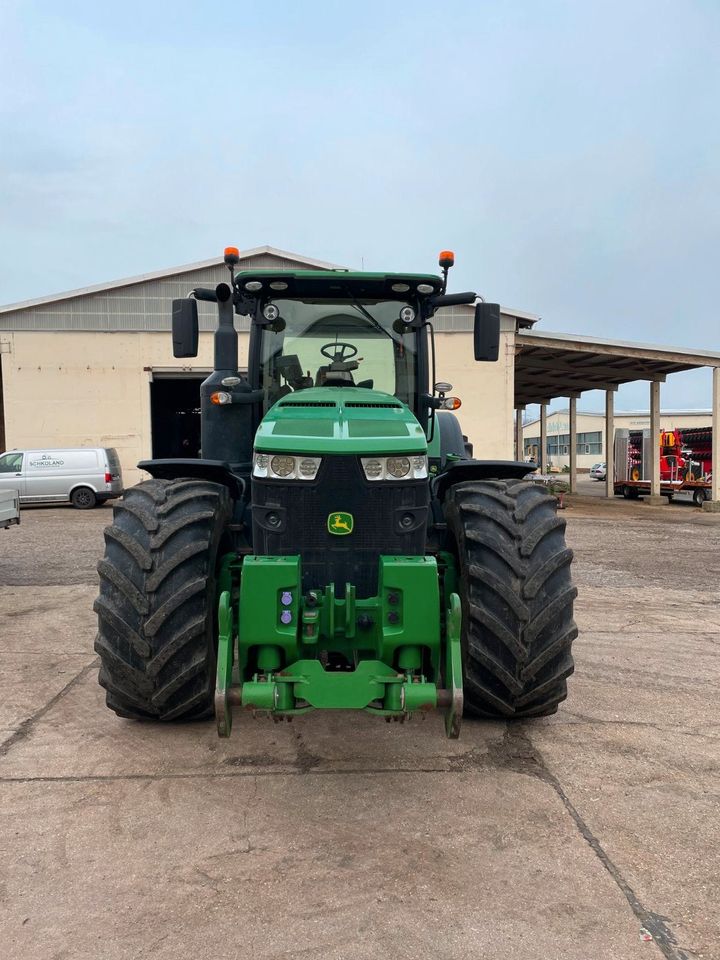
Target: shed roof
(549, 365)
(298, 258)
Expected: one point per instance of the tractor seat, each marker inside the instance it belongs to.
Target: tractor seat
(337, 374)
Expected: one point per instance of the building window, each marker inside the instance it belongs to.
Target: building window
(557, 443)
(590, 442)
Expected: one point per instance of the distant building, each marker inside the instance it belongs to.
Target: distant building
(590, 436)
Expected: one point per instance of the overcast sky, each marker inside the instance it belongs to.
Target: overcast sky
(569, 152)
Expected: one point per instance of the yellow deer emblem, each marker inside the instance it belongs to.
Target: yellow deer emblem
(340, 523)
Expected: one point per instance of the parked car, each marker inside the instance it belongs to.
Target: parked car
(9, 508)
(84, 476)
(598, 471)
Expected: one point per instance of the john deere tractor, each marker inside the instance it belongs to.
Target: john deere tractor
(335, 546)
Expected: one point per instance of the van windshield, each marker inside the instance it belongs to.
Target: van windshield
(316, 343)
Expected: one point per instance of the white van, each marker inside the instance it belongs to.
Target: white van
(83, 477)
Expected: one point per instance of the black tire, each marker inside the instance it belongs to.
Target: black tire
(83, 498)
(700, 495)
(156, 609)
(517, 597)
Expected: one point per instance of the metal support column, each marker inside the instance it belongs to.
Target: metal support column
(543, 458)
(519, 439)
(714, 502)
(609, 443)
(572, 446)
(655, 499)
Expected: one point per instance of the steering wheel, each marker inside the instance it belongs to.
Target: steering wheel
(339, 351)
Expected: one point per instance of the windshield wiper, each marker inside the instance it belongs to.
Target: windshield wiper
(358, 306)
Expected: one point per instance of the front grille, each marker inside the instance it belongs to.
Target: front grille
(379, 510)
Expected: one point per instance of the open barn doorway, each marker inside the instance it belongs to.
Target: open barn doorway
(175, 416)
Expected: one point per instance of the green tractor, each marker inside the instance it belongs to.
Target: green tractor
(335, 545)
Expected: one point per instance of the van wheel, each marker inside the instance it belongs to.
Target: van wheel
(83, 498)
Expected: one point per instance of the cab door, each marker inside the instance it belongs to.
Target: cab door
(12, 476)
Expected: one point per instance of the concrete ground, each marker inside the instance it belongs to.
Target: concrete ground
(591, 834)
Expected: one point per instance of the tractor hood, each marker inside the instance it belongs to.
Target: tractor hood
(350, 420)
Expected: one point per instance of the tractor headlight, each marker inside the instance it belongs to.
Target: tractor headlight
(395, 468)
(308, 467)
(373, 469)
(284, 466)
(398, 467)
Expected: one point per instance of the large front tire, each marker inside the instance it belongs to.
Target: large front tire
(156, 608)
(517, 597)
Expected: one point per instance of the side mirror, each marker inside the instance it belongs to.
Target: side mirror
(486, 331)
(185, 327)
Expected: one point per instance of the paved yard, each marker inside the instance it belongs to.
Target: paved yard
(341, 838)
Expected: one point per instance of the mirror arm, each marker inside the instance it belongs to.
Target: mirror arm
(202, 293)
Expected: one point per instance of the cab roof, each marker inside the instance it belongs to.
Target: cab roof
(332, 284)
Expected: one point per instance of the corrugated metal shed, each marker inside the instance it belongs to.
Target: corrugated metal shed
(142, 303)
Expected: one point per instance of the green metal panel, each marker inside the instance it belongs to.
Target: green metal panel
(453, 667)
(382, 425)
(269, 605)
(409, 602)
(225, 655)
(395, 656)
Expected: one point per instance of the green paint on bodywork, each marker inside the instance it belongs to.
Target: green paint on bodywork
(406, 611)
(388, 655)
(453, 666)
(225, 654)
(340, 420)
(287, 644)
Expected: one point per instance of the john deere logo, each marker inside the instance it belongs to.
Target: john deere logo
(340, 523)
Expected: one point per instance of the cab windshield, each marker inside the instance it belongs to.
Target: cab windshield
(344, 343)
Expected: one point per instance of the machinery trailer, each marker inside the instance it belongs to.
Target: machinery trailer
(699, 490)
(685, 463)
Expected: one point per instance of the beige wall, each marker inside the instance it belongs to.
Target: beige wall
(91, 389)
(486, 391)
(668, 421)
(88, 389)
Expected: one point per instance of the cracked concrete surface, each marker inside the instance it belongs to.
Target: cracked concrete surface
(341, 837)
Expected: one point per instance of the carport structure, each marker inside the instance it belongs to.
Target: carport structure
(550, 365)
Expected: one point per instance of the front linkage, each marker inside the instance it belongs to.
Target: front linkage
(282, 652)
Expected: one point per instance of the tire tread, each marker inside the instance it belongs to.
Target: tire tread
(517, 597)
(157, 595)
